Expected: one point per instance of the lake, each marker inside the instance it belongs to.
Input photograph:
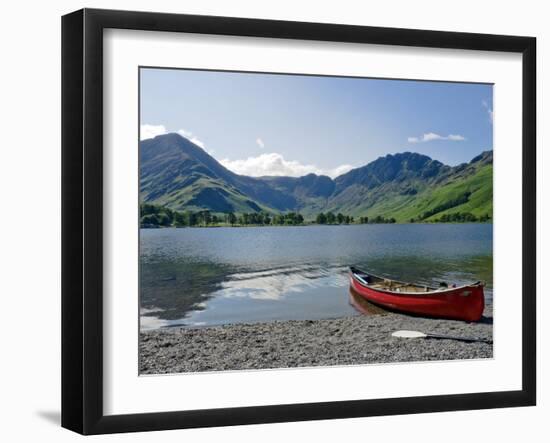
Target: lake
(211, 276)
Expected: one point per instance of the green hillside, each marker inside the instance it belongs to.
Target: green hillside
(181, 176)
(480, 201)
(476, 189)
(178, 175)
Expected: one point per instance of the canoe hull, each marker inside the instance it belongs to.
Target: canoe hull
(465, 303)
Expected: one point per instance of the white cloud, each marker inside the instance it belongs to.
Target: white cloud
(431, 136)
(260, 143)
(151, 131)
(191, 137)
(339, 170)
(456, 138)
(276, 165)
(489, 110)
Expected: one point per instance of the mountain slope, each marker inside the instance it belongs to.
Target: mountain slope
(408, 186)
(399, 168)
(176, 173)
(463, 189)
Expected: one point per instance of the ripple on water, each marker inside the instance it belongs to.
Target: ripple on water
(198, 277)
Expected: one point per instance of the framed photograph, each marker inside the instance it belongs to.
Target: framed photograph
(268, 221)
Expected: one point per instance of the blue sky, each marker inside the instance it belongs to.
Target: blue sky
(267, 124)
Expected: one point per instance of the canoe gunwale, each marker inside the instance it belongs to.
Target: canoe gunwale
(430, 292)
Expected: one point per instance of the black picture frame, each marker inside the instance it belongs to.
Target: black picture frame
(82, 218)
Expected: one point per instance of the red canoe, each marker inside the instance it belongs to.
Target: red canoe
(458, 303)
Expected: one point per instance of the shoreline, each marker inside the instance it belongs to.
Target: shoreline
(351, 340)
(305, 225)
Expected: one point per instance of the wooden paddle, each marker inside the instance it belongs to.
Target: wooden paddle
(418, 334)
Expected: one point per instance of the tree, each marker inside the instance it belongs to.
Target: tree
(290, 218)
(231, 218)
(150, 220)
(457, 217)
(484, 218)
(278, 219)
(253, 218)
(447, 205)
(331, 218)
(164, 220)
(179, 219)
(321, 218)
(148, 209)
(340, 217)
(192, 218)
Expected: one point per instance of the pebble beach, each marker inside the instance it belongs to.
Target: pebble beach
(353, 340)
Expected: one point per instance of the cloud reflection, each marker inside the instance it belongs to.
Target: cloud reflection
(275, 284)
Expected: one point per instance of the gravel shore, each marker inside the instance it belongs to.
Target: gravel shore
(299, 343)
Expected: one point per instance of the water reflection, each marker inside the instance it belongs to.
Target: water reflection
(198, 277)
(362, 305)
(275, 284)
(431, 271)
(170, 288)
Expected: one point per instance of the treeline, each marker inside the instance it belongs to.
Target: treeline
(447, 205)
(457, 217)
(157, 216)
(340, 219)
(462, 217)
(264, 218)
(378, 219)
(154, 216)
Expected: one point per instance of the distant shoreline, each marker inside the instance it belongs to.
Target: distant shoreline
(305, 225)
(161, 216)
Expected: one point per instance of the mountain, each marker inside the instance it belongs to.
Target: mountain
(180, 175)
(410, 186)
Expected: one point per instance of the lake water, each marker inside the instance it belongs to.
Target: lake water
(211, 276)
